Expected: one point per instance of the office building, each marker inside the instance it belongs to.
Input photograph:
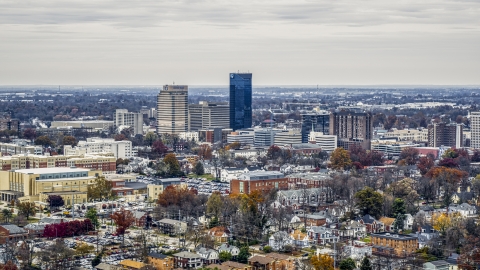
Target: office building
(99, 125)
(352, 127)
(123, 118)
(418, 135)
(259, 180)
(9, 124)
(35, 185)
(264, 137)
(214, 134)
(172, 109)
(442, 134)
(318, 122)
(207, 114)
(240, 100)
(107, 164)
(288, 137)
(244, 137)
(119, 149)
(17, 149)
(475, 130)
(326, 142)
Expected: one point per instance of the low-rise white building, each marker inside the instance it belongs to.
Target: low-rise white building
(120, 149)
(189, 136)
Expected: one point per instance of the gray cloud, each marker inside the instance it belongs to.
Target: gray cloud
(325, 42)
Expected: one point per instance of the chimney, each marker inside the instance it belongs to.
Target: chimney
(468, 189)
(459, 190)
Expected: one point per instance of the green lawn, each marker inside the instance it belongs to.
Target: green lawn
(366, 239)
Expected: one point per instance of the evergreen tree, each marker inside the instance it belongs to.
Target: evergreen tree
(399, 211)
(366, 265)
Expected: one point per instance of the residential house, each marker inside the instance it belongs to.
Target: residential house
(131, 264)
(161, 261)
(387, 223)
(229, 265)
(313, 219)
(408, 222)
(171, 226)
(220, 234)
(12, 233)
(425, 234)
(462, 196)
(208, 255)
(106, 266)
(271, 261)
(465, 209)
(279, 240)
(393, 244)
(352, 229)
(357, 250)
(373, 225)
(300, 239)
(300, 198)
(230, 249)
(140, 218)
(322, 235)
(187, 260)
(436, 265)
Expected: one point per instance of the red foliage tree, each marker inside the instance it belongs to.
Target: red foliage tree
(448, 162)
(68, 229)
(174, 196)
(447, 179)
(124, 219)
(159, 148)
(410, 155)
(120, 137)
(8, 266)
(425, 164)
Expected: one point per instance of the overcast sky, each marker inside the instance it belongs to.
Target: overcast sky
(198, 42)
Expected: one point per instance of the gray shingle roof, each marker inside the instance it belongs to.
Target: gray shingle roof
(13, 229)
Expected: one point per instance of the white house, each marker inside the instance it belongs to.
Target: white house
(279, 240)
(322, 235)
(230, 249)
(300, 239)
(209, 256)
(465, 209)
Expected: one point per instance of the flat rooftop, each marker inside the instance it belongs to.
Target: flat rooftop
(52, 170)
(261, 175)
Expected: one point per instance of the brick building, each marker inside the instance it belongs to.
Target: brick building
(399, 245)
(259, 180)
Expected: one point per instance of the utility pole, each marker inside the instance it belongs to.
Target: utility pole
(334, 253)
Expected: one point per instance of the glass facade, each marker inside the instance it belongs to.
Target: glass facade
(240, 100)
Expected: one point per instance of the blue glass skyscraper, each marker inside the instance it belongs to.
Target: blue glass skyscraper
(240, 100)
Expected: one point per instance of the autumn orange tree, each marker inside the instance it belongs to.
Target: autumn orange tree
(441, 222)
(205, 152)
(340, 159)
(446, 179)
(124, 219)
(322, 262)
(173, 165)
(173, 195)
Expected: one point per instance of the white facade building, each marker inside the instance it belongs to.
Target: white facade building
(120, 149)
(326, 142)
(189, 136)
(123, 117)
(475, 130)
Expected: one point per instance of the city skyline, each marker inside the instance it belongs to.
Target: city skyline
(282, 42)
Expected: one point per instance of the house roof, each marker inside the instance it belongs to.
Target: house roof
(235, 264)
(188, 255)
(261, 259)
(13, 229)
(132, 264)
(157, 255)
(218, 231)
(367, 219)
(387, 221)
(298, 235)
(277, 256)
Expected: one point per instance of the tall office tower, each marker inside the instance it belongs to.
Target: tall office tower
(205, 115)
(441, 134)
(123, 117)
(475, 130)
(318, 121)
(352, 127)
(172, 109)
(240, 100)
